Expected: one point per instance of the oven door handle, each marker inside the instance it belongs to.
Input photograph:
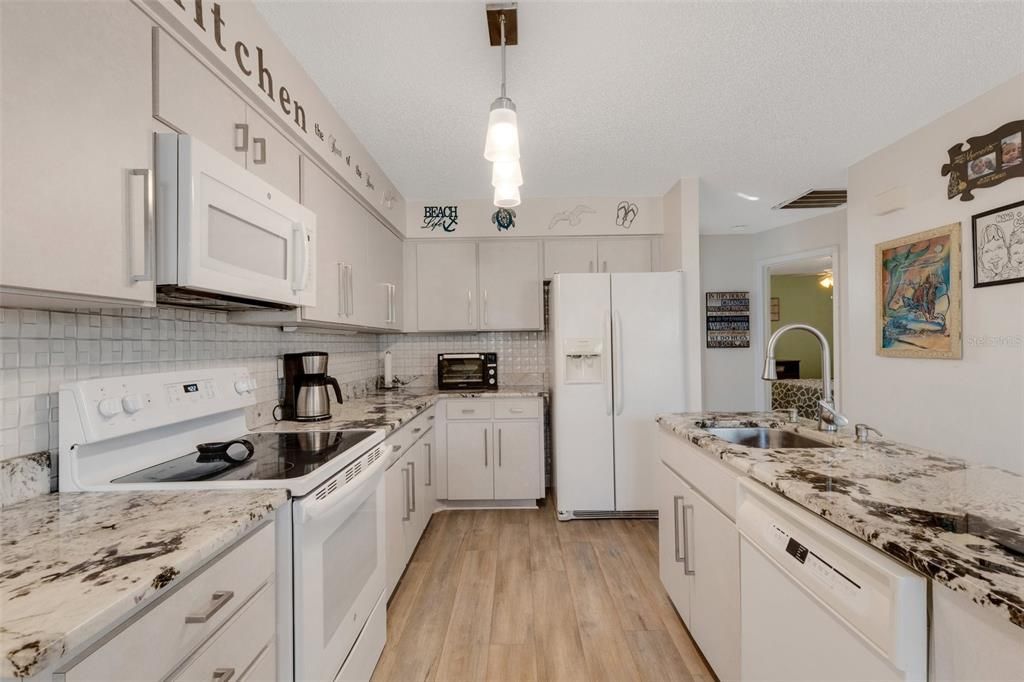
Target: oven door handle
(313, 509)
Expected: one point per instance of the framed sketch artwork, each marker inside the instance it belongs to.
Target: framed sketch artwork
(998, 241)
(918, 295)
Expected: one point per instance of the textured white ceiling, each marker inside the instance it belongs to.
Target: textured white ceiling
(623, 98)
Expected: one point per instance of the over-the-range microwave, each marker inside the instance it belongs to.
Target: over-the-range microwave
(226, 239)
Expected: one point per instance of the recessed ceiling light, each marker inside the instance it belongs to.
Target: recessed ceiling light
(748, 197)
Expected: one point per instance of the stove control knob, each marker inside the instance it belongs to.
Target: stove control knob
(132, 403)
(110, 407)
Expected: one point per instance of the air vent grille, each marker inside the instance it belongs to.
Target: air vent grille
(816, 198)
(608, 514)
(350, 473)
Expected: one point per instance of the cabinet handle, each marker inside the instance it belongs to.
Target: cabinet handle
(469, 306)
(430, 465)
(499, 447)
(687, 555)
(390, 303)
(341, 290)
(217, 602)
(590, 266)
(430, 418)
(485, 307)
(516, 410)
(604, 266)
(405, 493)
(417, 429)
(412, 485)
(243, 128)
(676, 499)
(485, 448)
(351, 291)
(260, 144)
(396, 447)
(468, 411)
(148, 223)
(223, 674)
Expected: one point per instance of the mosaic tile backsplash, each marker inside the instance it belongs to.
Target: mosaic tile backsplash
(40, 350)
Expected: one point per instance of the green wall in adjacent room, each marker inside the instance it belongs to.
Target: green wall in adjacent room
(802, 299)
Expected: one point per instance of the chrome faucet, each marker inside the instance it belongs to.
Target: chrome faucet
(828, 418)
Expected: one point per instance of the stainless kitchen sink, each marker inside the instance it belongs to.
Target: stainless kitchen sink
(766, 438)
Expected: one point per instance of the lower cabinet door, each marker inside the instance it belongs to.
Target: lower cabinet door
(673, 499)
(518, 456)
(470, 461)
(396, 492)
(715, 560)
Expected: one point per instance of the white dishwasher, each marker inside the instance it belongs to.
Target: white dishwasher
(818, 604)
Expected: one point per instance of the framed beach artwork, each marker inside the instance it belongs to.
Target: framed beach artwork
(998, 237)
(918, 295)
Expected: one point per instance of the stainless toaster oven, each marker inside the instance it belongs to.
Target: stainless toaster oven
(467, 370)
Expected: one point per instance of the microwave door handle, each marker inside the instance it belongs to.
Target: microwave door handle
(301, 276)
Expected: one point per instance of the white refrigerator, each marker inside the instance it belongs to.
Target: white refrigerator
(616, 345)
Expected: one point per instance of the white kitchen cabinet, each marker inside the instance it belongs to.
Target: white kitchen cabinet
(77, 151)
(446, 285)
(384, 269)
(569, 255)
(470, 461)
(192, 99)
(518, 466)
(396, 514)
(409, 490)
(223, 617)
(672, 496)
(714, 559)
(511, 292)
(324, 197)
(625, 254)
(493, 449)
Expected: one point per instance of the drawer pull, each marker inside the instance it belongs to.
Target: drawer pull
(223, 674)
(217, 602)
(396, 447)
(516, 410)
(469, 411)
(430, 418)
(417, 429)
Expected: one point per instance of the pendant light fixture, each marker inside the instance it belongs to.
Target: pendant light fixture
(502, 144)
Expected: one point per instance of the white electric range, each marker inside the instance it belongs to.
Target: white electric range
(187, 430)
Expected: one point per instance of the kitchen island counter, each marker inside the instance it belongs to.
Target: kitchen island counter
(960, 524)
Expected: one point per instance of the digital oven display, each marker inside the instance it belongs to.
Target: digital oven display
(191, 388)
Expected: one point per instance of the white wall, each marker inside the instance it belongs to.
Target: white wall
(971, 408)
(727, 264)
(732, 263)
(681, 251)
(534, 217)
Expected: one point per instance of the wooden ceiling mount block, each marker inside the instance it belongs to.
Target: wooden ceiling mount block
(494, 14)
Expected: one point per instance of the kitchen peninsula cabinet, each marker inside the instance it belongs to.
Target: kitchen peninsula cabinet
(193, 100)
(77, 154)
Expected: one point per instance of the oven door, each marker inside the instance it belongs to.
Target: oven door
(339, 569)
(461, 370)
(235, 234)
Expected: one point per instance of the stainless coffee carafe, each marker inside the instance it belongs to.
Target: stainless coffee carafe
(305, 387)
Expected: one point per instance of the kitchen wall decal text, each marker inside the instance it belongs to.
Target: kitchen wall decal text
(445, 217)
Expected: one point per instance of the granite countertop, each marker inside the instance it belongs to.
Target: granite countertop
(73, 565)
(388, 410)
(960, 524)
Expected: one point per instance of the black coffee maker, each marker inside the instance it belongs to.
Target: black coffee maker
(305, 387)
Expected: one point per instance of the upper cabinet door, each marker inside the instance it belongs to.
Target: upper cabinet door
(271, 156)
(625, 254)
(324, 197)
(510, 285)
(385, 267)
(192, 100)
(77, 131)
(569, 255)
(446, 286)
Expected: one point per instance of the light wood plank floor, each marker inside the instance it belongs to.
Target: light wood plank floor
(518, 596)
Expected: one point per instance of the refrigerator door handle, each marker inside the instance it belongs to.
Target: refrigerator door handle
(617, 362)
(607, 353)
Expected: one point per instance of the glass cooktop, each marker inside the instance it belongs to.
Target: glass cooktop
(276, 456)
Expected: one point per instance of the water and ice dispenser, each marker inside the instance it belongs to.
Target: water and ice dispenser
(582, 359)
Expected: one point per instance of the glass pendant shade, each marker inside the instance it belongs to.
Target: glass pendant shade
(506, 196)
(506, 173)
(502, 132)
